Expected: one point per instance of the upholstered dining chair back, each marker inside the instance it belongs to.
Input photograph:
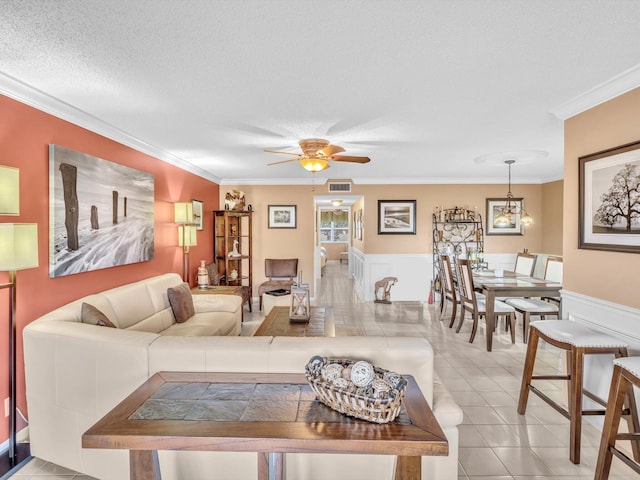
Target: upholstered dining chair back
(448, 284)
(525, 263)
(465, 285)
(553, 269)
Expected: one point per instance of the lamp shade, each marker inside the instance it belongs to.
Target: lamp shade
(183, 212)
(9, 191)
(187, 236)
(18, 246)
(314, 164)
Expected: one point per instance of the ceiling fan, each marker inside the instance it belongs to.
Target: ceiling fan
(316, 154)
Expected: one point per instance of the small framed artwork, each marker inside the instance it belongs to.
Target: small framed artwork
(198, 217)
(495, 207)
(396, 217)
(609, 200)
(282, 216)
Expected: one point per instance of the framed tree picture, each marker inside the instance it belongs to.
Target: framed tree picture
(282, 216)
(609, 200)
(396, 217)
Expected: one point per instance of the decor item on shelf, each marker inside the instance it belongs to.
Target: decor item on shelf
(187, 234)
(384, 288)
(356, 388)
(18, 251)
(316, 154)
(234, 200)
(203, 275)
(234, 274)
(235, 252)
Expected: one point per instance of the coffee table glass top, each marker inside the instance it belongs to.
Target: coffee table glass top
(240, 402)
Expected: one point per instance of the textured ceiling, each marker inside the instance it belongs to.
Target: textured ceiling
(422, 87)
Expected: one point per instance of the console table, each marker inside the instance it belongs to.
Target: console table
(137, 426)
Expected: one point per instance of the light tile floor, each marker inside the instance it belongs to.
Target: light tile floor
(495, 442)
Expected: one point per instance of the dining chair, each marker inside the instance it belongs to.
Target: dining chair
(529, 307)
(553, 272)
(525, 264)
(470, 302)
(449, 289)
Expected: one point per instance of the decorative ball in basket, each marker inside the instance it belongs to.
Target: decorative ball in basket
(356, 388)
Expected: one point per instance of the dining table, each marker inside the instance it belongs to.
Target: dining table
(496, 283)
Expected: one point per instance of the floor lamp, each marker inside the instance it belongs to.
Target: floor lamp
(18, 251)
(187, 236)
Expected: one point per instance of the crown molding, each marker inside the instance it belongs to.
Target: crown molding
(614, 87)
(20, 91)
(502, 180)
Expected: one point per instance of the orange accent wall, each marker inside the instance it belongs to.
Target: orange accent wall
(610, 276)
(25, 134)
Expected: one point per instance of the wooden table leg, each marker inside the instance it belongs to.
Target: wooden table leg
(143, 465)
(270, 466)
(490, 318)
(408, 468)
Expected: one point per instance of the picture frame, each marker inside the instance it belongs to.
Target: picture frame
(282, 216)
(608, 200)
(495, 207)
(198, 216)
(396, 217)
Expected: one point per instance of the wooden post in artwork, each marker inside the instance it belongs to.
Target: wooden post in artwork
(69, 178)
(94, 217)
(115, 207)
(125, 207)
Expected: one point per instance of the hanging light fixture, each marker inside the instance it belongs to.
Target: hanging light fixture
(314, 164)
(511, 209)
(336, 203)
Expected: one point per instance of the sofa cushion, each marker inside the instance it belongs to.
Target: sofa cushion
(204, 325)
(181, 302)
(91, 315)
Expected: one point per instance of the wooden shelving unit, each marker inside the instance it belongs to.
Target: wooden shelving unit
(231, 227)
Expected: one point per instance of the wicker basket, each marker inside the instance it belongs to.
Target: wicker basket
(359, 402)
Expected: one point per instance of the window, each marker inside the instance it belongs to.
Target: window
(334, 226)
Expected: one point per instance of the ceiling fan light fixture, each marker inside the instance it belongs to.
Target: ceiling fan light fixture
(314, 164)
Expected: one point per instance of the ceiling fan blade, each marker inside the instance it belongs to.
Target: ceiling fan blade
(347, 158)
(283, 161)
(330, 150)
(283, 153)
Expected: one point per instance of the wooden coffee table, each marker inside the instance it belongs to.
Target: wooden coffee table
(277, 324)
(150, 419)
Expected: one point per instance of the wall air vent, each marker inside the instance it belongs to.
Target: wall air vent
(339, 187)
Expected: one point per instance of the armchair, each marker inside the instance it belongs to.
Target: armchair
(281, 273)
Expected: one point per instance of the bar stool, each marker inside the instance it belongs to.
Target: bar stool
(577, 340)
(626, 375)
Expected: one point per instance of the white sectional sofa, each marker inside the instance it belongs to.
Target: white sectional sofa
(75, 373)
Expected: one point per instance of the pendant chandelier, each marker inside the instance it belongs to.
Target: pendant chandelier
(511, 209)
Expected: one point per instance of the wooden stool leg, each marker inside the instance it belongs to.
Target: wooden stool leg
(527, 372)
(575, 404)
(617, 394)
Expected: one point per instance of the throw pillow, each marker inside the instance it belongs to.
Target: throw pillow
(91, 315)
(212, 270)
(181, 302)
